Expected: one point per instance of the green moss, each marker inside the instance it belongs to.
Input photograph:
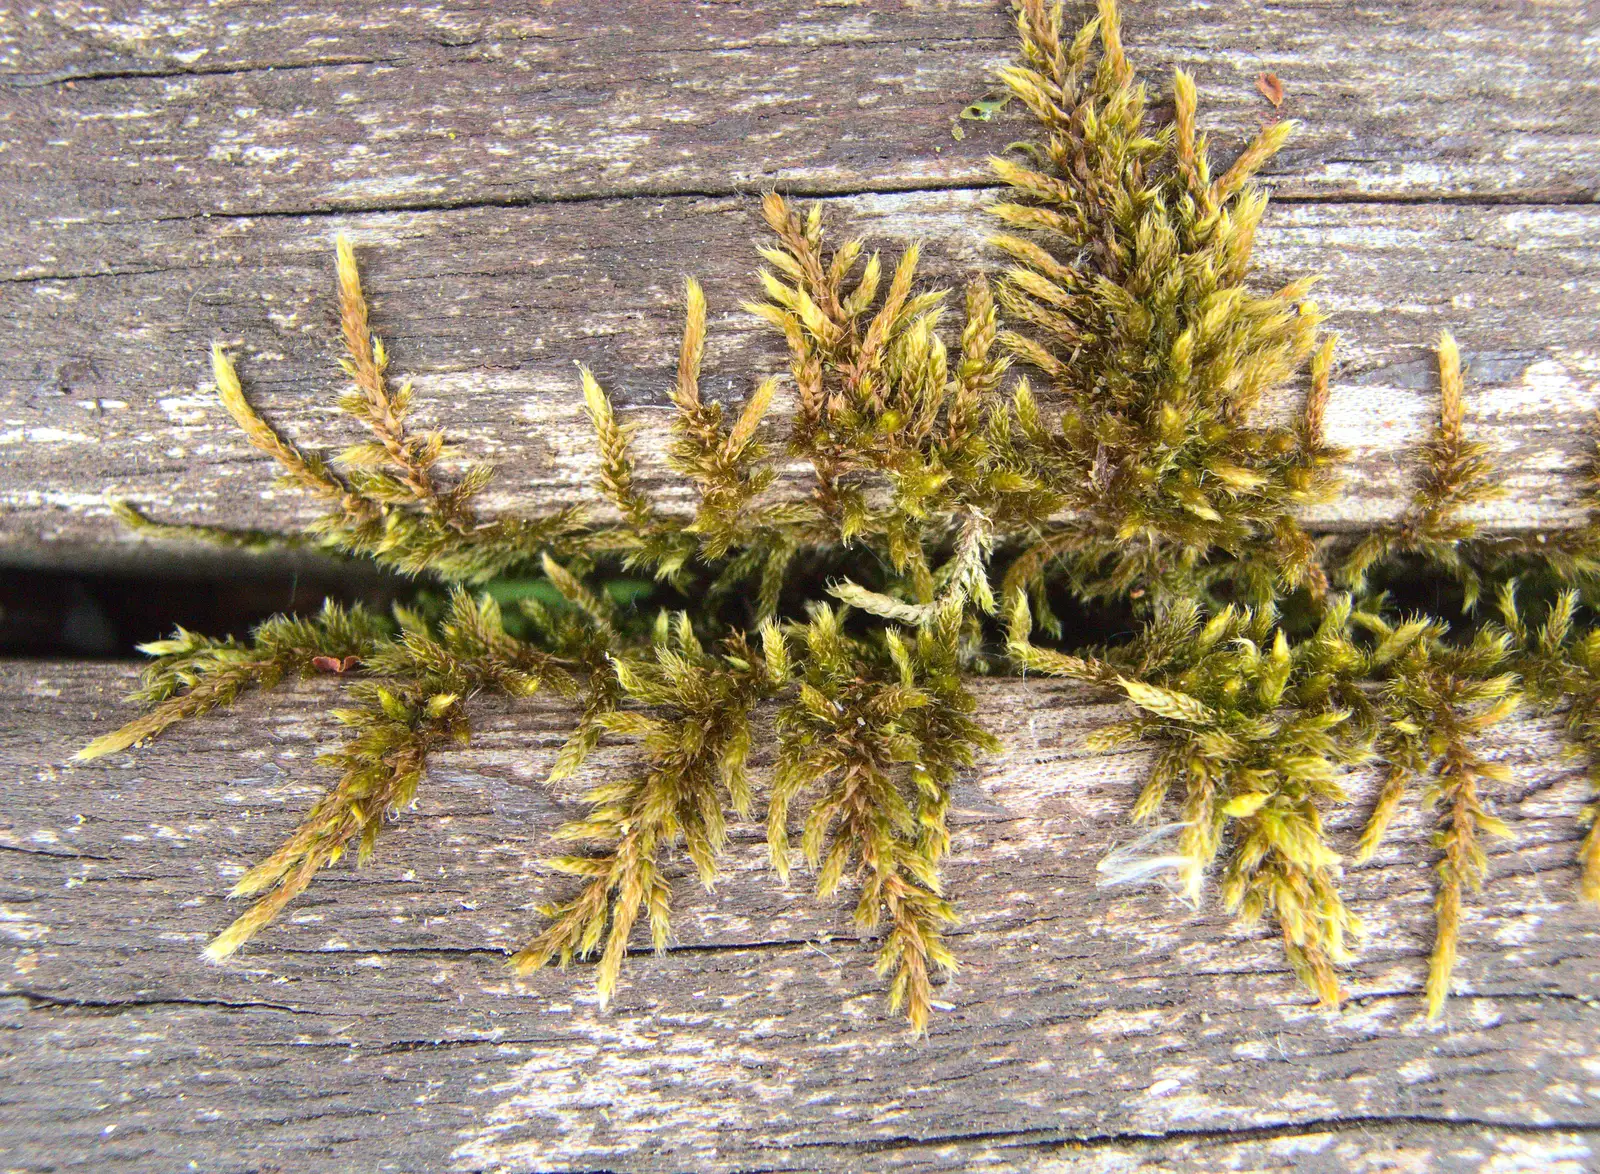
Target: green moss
(1099, 443)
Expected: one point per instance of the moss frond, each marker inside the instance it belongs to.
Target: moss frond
(878, 732)
(388, 505)
(1441, 699)
(1457, 473)
(1128, 283)
(1257, 729)
(415, 705)
(139, 522)
(695, 730)
(193, 674)
(1558, 662)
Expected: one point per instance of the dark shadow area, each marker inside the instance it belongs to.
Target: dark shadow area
(104, 610)
(105, 614)
(1413, 587)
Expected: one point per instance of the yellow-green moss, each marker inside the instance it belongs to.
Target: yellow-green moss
(1098, 443)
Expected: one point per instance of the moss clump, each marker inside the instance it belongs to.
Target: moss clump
(1122, 464)
(1128, 286)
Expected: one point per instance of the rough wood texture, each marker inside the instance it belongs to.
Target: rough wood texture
(529, 182)
(106, 377)
(310, 106)
(172, 173)
(379, 1028)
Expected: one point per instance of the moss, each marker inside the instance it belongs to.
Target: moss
(1085, 429)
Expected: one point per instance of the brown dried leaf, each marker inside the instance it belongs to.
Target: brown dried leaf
(1271, 88)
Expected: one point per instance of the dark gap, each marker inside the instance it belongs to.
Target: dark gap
(106, 612)
(1084, 623)
(1413, 587)
(52, 612)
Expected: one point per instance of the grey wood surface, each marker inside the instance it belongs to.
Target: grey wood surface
(528, 184)
(380, 1027)
(174, 173)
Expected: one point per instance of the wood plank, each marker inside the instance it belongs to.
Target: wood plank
(104, 392)
(174, 109)
(378, 1026)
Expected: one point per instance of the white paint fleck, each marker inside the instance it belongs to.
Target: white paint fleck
(19, 926)
(609, 1095)
(1124, 1022)
(1560, 1154)
(1484, 1012)
(43, 436)
(1416, 1070)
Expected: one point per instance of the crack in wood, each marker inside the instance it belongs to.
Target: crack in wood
(21, 81)
(39, 1000)
(800, 189)
(1069, 1141)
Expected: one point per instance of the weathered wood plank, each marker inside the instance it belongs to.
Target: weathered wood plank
(104, 393)
(379, 1028)
(124, 123)
(132, 112)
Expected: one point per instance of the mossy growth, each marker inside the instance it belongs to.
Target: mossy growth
(1086, 428)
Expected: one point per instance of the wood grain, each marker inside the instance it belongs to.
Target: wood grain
(132, 112)
(378, 1026)
(528, 183)
(104, 386)
(173, 172)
